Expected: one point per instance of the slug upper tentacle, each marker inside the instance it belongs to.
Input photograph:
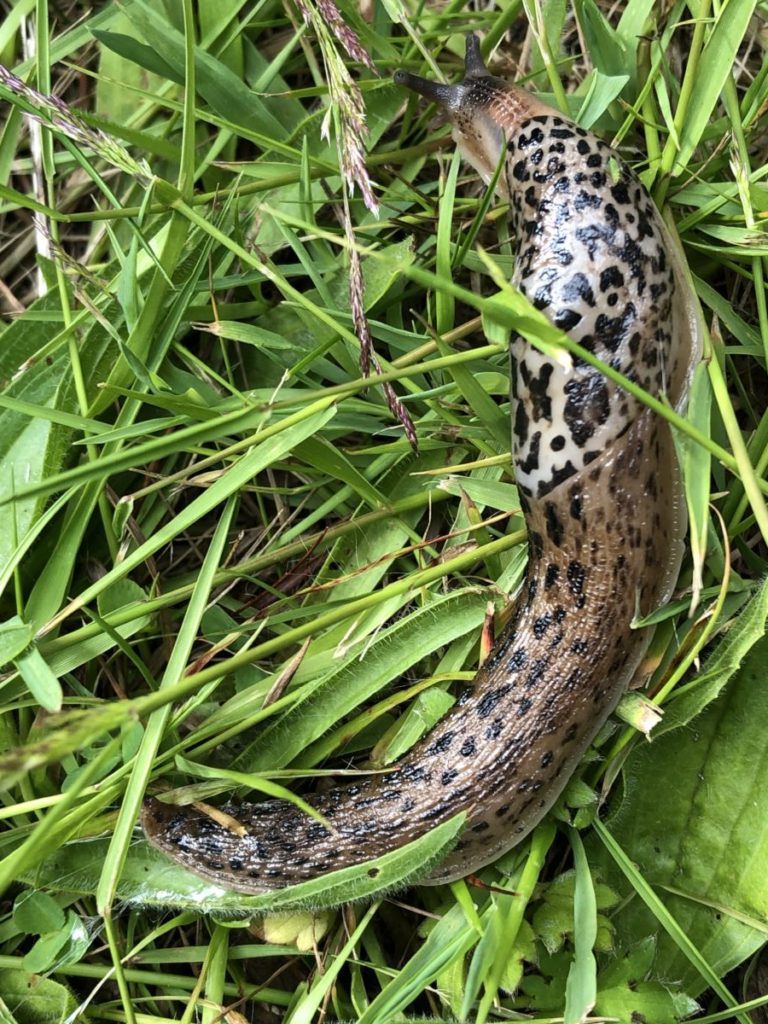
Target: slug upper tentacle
(599, 485)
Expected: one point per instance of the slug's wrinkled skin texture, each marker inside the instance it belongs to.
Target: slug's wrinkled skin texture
(599, 487)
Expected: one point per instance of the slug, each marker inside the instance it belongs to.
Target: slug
(600, 491)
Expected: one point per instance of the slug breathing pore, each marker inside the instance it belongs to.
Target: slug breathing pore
(600, 490)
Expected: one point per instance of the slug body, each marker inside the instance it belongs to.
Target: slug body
(599, 487)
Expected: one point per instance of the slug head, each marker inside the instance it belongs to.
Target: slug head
(483, 110)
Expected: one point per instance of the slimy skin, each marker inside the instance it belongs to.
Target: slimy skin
(600, 490)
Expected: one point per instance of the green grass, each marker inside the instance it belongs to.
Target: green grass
(222, 562)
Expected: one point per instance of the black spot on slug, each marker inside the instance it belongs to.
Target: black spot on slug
(578, 288)
(537, 672)
(524, 706)
(571, 733)
(489, 701)
(441, 744)
(517, 660)
(541, 625)
(554, 526)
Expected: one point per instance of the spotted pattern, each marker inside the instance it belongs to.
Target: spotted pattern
(599, 489)
(591, 257)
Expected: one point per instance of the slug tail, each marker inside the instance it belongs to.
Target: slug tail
(254, 848)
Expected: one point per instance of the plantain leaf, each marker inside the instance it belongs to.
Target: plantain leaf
(746, 631)
(694, 821)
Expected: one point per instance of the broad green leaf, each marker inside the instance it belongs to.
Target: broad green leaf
(147, 61)
(248, 334)
(523, 951)
(216, 18)
(638, 1000)
(37, 912)
(625, 994)
(545, 990)
(381, 273)
(746, 632)
(121, 594)
(35, 1000)
(44, 954)
(554, 918)
(694, 819)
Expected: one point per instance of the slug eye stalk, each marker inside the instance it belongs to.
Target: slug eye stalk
(452, 97)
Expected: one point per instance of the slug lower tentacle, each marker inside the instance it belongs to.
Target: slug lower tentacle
(599, 486)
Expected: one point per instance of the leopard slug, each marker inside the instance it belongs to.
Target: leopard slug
(600, 491)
